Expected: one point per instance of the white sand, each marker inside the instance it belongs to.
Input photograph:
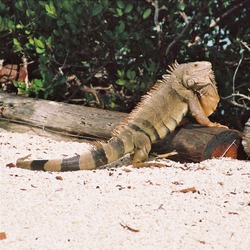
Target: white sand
(117, 209)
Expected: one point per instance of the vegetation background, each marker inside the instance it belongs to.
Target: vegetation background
(109, 53)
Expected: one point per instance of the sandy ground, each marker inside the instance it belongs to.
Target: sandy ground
(121, 208)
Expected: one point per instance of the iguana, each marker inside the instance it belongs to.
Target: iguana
(184, 87)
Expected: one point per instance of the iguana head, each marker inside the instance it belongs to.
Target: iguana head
(199, 77)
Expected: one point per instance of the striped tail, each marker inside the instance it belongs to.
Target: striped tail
(93, 158)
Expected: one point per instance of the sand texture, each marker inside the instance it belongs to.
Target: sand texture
(181, 206)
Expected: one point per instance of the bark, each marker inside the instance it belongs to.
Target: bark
(246, 138)
(59, 117)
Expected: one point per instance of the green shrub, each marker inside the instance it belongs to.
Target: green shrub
(123, 44)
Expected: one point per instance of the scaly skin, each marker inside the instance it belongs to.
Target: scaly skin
(185, 87)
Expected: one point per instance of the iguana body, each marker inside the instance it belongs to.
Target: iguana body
(185, 87)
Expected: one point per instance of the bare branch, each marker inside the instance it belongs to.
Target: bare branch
(178, 37)
(84, 88)
(25, 66)
(245, 45)
(235, 103)
(236, 70)
(184, 16)
(238, 95)
(156, 16)
(217, 20)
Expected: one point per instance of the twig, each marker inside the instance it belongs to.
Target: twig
(245, 45)
(156, 16)
(233, 143)
(184, 16)
(25, 66)
(244, 106)
(237, 95)
(129, 228)
(244, 97)
(236, 70)
(217, 20)
(178, 37)
(1, 63)
(84, 88)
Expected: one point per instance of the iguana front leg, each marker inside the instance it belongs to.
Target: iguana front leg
(199, 114)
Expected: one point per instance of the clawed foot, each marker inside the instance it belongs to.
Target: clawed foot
(216, 124)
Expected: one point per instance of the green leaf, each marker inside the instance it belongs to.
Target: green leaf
(43, 68)
(152, 67)
(120, 82)
(182, 6)
(146, 13)
(130, 74)
(97, 10)
(46, 94)
(110, 34)
(16, 84)
(120, 73)
(39, 50)
(51, 10)
(128, 8)
(119, 12)
(19, 5)
(120, 4)
(31, 41)
(39, 43)
(19, 26)
(10, 24)
(112, 105)
(38, 82)
(17, 45)
(60, 22)
(15, 41)
(30, 13)
(121, 27)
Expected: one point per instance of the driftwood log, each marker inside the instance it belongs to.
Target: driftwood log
(52, 116)
(192, 142)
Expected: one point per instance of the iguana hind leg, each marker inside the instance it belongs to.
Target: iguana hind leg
(141, 152)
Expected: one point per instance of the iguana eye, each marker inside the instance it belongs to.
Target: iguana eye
(190, 82)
